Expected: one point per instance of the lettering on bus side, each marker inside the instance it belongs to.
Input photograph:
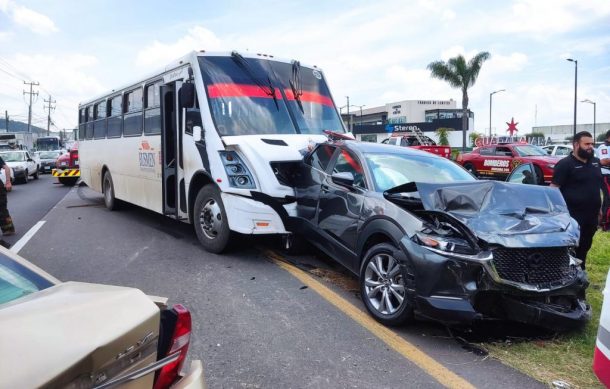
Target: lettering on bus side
(147, 160)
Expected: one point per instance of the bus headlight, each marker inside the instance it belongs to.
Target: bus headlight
(237, 171)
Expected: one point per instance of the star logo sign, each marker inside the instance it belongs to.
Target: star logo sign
(512, 127)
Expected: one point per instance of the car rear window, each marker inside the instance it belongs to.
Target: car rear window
(17, 281)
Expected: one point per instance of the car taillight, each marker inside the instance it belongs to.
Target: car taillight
(179, 343)
(74, 158)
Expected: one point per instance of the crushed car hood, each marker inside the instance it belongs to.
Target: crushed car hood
(512, 215)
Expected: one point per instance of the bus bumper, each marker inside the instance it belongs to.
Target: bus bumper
(248, 216)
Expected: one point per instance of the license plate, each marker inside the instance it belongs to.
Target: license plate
(47, 167)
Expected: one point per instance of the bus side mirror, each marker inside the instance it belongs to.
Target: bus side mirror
(197, 134)
(187, 95)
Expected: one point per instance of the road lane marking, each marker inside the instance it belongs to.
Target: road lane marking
(25, 238)
(422, 360)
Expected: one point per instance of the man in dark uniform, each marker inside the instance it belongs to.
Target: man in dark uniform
(579, 178)
(6, 223)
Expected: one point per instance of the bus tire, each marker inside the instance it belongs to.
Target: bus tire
(210, 220)
(108, 187)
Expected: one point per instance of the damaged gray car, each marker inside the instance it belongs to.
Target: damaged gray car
(428, 240)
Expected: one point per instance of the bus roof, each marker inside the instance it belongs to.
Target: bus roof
(188, 58)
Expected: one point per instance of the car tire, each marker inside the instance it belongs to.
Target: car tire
(210, 220)
(68, 181)
(385, 285)
(110, 201)
(470, 167)
(37, 173)
(26, 177)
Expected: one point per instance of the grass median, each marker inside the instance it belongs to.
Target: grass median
(567, 357)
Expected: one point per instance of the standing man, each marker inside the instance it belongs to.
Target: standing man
(579, 178)
(6, 223)
(603, 153)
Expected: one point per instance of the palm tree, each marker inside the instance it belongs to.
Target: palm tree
(443, 135)
(460, 74)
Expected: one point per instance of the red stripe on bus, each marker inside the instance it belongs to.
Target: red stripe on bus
(239, 90)
(311, 97)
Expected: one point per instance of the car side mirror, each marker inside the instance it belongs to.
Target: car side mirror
(197, 133)
(343, 179)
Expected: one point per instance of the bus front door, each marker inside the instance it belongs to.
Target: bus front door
(169, 132)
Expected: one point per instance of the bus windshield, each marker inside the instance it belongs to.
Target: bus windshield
(48, 144)
(252, 96)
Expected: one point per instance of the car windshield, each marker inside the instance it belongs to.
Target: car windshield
(49, 154)
(13, 156)
(17, 281)
(529, 150)
(252, 96)
(390, 170)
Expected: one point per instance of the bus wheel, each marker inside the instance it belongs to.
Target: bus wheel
(210, 220)
(109, 200)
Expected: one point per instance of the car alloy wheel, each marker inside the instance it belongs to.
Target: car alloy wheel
(387, 285)
(384, 284)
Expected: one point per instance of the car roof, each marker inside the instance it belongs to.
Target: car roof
(370, 147)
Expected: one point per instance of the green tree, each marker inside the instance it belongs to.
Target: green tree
(443, 135)
(460, 74)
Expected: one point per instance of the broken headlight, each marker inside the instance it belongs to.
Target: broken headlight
(450, 245)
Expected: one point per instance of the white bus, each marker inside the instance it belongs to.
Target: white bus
(210, 140)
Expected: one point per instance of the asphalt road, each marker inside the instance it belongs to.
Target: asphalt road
(256, 325)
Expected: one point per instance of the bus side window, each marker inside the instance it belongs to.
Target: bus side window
(132, 119)
(152, 109)
(81, 124)
(89, 118)
(115, 120)
(99, 124)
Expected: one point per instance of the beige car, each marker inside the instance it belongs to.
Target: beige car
(81, 335)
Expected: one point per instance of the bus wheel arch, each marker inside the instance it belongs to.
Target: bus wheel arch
(198, 181)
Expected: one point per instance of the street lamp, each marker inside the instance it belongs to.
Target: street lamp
(594, 109)
(491, 94)
(575, 88)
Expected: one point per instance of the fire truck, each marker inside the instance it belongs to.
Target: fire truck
(498, 160)
(67, 168)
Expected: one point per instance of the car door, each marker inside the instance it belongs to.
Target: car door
(340, 207)
(523, 174)
(31, 165)
(501, 165)
(309, 182)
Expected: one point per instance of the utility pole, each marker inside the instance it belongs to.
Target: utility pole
(6, 119)
(31, 93)
(49, 107)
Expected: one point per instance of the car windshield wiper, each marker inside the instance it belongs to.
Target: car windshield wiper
(244, 65)
(295, 83)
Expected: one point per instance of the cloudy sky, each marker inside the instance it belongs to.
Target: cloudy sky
(375, 52)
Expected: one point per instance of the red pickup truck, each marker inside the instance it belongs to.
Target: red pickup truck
(498, 160)
(420, 142)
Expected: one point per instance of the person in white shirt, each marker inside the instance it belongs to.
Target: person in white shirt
(603, 153)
